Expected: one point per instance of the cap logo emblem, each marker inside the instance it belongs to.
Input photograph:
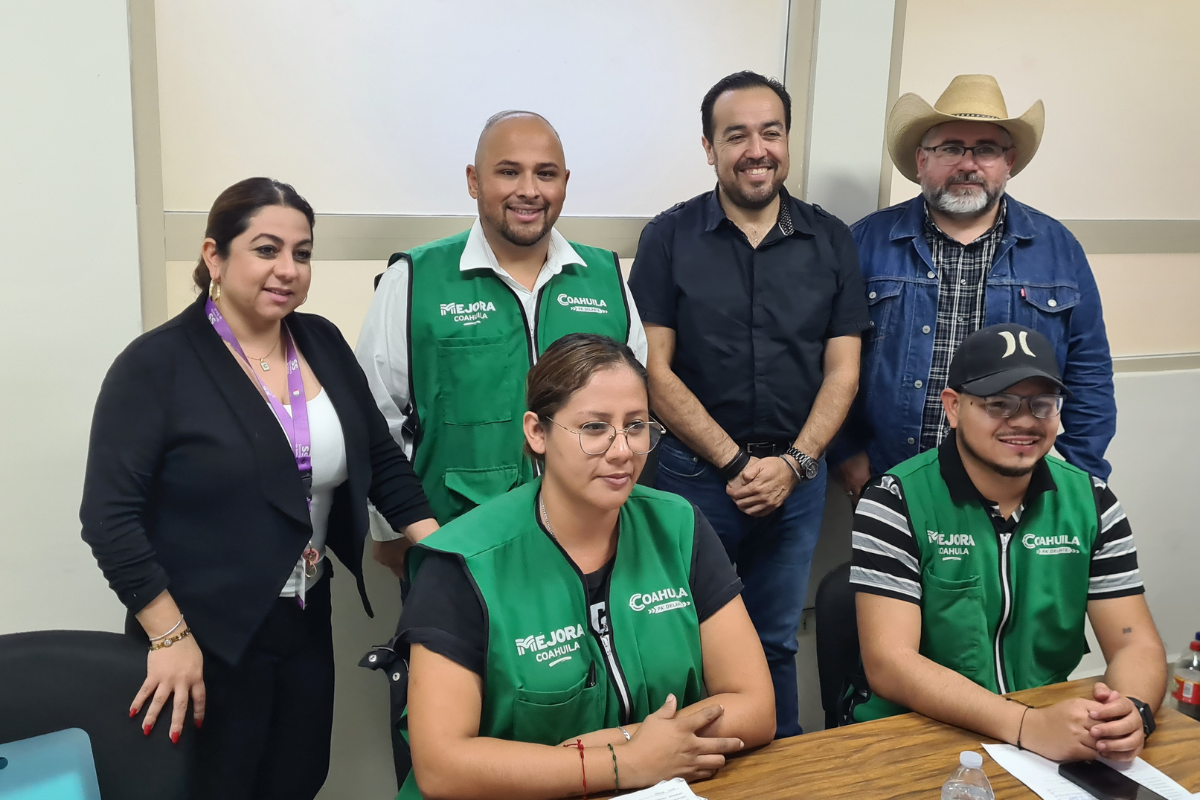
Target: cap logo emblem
(1010, 342)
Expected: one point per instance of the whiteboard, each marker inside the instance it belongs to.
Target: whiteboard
(374, 107)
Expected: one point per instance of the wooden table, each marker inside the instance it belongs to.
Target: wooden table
(911, 756)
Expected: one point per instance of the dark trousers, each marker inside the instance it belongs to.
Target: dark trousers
(772, 555)
(269, 720)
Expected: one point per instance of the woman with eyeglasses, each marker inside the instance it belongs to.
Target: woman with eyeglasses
(580, 634)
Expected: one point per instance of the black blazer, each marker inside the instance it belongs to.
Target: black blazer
(191, 483)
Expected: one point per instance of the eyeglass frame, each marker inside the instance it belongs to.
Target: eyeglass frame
(971, 150)
(1022, 400)
(652, 423)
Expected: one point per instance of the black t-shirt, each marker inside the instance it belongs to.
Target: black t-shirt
(750, 323)
(444, 614)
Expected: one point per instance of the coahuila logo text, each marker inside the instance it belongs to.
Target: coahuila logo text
(1051, 545)
(660, 601)
(585, 304)
(955, 544)
(468, 313)
(555, 647)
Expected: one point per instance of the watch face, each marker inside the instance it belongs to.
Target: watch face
(806, 464)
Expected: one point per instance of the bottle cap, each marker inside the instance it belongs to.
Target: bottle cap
(970, 759)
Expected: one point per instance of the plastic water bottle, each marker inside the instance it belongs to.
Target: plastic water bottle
(1186, 688)
(968, 781)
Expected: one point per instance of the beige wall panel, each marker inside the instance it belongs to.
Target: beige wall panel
(1118, 80)
(1150, 302)
(180, 289)
(1149, 299)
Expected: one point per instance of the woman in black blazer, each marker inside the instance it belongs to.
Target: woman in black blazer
(216, 479)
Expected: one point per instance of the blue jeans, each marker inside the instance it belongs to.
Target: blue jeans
(772, 555)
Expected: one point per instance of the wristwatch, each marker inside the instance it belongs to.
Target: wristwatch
(1148, 724)
(808, 467)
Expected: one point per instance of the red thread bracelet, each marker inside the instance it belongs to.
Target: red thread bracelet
(582, 766)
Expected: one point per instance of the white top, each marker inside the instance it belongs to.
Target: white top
(383, 342)
(328, 454)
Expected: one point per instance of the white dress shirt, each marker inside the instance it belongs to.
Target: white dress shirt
(383, 343)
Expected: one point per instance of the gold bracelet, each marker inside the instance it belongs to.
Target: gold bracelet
(174, 628)
(170, 640)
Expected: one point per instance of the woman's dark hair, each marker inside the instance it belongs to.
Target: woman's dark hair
(567, 366)
(231, 213)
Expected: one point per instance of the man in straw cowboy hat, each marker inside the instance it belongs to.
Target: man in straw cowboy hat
(959, 256)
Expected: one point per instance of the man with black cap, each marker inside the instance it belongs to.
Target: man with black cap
(976, 562)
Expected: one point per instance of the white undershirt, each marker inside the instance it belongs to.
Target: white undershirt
(328, 453)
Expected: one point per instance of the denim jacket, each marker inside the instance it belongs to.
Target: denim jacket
(1039, 278)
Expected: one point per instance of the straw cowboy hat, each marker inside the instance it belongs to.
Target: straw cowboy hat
(975, 98)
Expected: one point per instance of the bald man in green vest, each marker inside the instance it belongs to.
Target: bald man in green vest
(455, 324)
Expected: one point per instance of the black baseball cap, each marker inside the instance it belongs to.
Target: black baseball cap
(994, 358)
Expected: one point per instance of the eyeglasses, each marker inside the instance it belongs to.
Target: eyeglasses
(953, 153)
(1003, 406)
(596, 437)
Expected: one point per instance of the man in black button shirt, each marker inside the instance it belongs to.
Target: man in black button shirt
(753, 306)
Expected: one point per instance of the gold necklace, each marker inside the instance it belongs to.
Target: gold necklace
(262, 362)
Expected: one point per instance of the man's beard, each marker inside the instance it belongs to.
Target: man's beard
(999, 469)
(522, 238)
(760, 199)
(969, 205)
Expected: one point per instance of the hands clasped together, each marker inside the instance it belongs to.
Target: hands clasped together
(1077, 730)
(669, 744)
(762, 486)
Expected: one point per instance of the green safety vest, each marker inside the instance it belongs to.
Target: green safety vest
(469, 350)
(1005, 610)
(547, 677)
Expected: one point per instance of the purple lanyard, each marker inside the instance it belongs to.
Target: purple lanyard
(295, 425)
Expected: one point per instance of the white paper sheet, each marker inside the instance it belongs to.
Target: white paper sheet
(674, 789)
(1041, 775)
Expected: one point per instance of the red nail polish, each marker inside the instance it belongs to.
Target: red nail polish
(199, 722)
(174, 737)
(145, 730)
(132, 713)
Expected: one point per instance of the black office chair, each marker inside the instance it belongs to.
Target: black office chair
(52, 680)
(837, 643)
